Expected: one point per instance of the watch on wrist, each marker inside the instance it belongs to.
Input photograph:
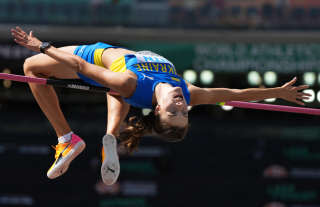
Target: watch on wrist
(44, 46)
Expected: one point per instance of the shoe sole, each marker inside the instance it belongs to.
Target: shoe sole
(64, 163)
(110, 168)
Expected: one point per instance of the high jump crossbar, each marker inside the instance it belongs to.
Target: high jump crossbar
(76, 84)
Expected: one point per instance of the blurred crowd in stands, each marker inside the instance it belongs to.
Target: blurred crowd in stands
(252, 14)
(263, 14)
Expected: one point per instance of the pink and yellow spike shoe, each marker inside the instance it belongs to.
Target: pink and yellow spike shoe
(65, 153)
(110, 168)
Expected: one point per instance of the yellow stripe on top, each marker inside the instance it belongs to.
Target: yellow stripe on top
(97, 57)
(119, 65)
(175, 79)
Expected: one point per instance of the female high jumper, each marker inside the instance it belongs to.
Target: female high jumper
(141, 79)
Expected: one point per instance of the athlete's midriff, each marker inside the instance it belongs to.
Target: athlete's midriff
(111, 54)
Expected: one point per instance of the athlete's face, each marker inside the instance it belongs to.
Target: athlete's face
(173, 108)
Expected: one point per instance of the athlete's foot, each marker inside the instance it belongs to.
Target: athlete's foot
(110, 167)
(65, 153)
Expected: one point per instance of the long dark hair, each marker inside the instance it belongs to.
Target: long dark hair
(140, 125)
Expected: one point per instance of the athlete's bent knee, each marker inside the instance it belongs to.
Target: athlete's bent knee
(28, 66)
(32, 68)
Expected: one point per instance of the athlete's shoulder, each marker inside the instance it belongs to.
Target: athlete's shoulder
(194, 91)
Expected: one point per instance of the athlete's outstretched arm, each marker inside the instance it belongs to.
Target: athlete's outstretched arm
(287, 92)
(120, 82)
(117, 112)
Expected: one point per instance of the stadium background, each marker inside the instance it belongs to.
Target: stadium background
(231, 157)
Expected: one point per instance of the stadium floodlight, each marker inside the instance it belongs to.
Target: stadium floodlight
(270, 78)
(7, 83)
(270, 100)
(190, 76)
(206, 77)
(254, 78)
(146, 111)
(312, 97)
(227, 108)
(6, 70)
(309, 78)
(318, 96)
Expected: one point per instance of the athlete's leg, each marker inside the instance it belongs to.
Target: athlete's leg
(43, 66)
(117, 111)
(70, 145)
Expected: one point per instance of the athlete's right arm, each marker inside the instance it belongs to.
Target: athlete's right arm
(122, 83)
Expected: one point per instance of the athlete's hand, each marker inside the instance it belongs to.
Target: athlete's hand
(292, 93)
(26, 40)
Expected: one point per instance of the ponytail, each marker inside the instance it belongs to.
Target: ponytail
(138, 126)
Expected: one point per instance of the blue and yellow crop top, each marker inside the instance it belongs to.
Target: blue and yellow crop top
(149, 68)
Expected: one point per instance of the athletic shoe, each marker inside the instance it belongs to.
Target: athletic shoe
(110, 167)
(65, 153)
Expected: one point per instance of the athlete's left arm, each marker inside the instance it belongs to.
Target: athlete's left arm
(287, 92)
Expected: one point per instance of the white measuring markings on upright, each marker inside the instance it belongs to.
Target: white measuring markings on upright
(75, 86)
